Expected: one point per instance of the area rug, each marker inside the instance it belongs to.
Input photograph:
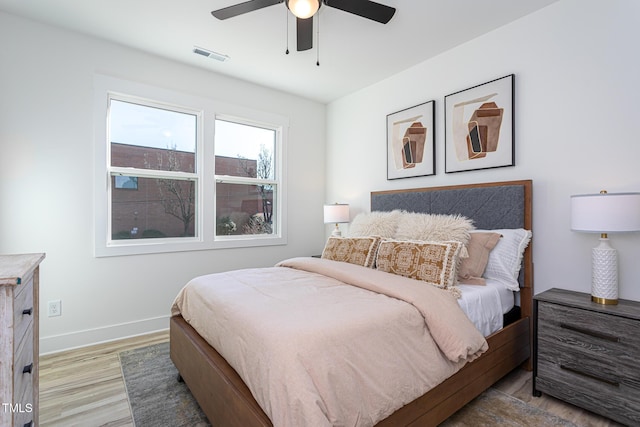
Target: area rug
(155, 395)
(495, 408)
(157, 399)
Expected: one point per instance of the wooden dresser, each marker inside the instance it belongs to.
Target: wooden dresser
(19, 276)
(587, 354)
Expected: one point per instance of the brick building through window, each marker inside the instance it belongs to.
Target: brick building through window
(151, 208)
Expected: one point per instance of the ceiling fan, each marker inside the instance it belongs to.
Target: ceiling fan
(305, 9)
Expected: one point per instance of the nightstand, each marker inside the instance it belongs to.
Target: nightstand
(587, 354)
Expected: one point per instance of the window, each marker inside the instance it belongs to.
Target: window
(183, 172)
(153, 151)
(246, 185)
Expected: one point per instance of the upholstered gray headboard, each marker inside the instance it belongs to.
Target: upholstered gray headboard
(491, 205)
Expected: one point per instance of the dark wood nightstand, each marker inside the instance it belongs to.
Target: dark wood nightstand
(587, 354)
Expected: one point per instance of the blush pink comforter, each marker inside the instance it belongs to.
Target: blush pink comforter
(325, 343)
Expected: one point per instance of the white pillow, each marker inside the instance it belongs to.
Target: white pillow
(376, 223)
(434, 227)
(505, 259)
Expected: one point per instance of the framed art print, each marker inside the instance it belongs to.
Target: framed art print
(479, 127)
(411, 142)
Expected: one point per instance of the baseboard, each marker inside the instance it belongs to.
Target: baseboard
(87, 337)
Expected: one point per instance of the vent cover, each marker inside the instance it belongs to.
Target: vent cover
(210, 54)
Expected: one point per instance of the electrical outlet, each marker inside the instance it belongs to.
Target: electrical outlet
(55, 308)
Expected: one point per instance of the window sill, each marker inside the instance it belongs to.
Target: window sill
(156, 246)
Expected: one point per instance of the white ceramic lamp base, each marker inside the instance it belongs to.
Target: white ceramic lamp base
(604, 275)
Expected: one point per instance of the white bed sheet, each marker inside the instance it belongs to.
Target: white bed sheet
(485, 305)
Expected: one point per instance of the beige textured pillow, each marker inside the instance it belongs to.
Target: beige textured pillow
(431, 262)
(377, 223)
(479, 247)
(434, 227)
(354, 250)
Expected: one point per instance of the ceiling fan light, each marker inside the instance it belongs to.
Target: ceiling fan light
(303, 9)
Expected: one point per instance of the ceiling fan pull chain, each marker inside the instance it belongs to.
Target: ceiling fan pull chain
(286, 11)
(318, 39)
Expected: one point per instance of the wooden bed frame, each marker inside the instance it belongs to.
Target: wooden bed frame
(227, 401)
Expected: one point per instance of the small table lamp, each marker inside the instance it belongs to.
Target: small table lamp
(605, 213)
(336, 214)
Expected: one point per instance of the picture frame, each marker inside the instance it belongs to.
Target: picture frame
(411, 142)
(480, 126)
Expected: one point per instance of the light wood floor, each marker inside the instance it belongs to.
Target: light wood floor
(85, 388)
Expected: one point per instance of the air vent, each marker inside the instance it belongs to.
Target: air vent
(210, 54)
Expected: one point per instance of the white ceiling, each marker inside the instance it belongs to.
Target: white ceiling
(354, 52)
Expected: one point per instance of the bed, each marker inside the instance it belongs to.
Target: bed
(228, 401)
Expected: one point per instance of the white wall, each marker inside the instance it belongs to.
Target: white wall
(576, 67)
(46, 188)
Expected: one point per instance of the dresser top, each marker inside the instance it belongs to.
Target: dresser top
(624, 308)
(14, 267)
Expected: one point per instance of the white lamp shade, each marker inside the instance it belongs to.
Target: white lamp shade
(605, 212)
(303, 9)
(337, 213)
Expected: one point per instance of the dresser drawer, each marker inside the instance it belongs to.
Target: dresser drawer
(24, 368)
(614, 339)
(24, 417)
(26, 407)
(23, 309)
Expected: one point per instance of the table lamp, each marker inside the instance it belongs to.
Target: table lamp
(605, 213)
(336, 214)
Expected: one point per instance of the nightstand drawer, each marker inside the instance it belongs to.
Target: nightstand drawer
(565, 365)
(614, 339)
(617, 401)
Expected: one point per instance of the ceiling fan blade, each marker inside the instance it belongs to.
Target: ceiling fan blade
(242, 8)
(304, 33)
(365, 8)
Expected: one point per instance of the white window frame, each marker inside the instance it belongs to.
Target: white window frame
(228, 179)
(207, 110)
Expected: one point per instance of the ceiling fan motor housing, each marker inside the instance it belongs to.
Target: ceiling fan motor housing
(303, 9)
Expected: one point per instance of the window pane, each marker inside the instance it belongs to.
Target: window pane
(154, 208)
(244, 150)
(151, 138)
(245, 209)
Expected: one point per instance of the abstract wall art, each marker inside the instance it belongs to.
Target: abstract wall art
(411, 142)
(479, 126)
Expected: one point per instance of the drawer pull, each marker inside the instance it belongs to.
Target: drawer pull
(27, 369)
(595, 377)
(607, 337)
(27, 311)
